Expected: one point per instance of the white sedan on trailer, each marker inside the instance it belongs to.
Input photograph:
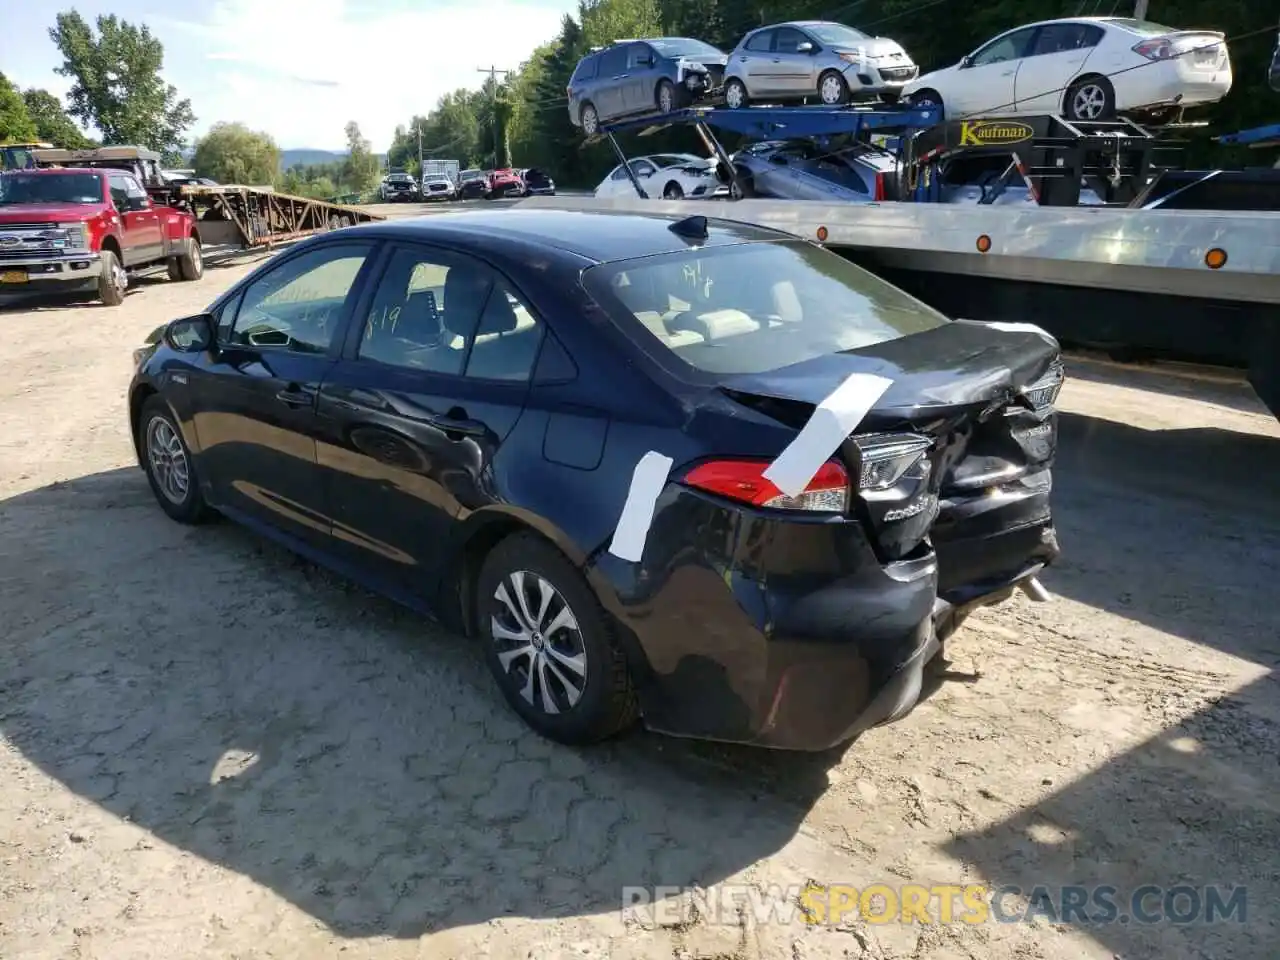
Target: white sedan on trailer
(1083, 68)
(669, 176)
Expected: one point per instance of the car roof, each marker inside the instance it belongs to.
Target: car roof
(599, 236)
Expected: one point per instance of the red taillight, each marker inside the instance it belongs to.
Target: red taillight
(879, 187)
(744, 481)
(1159, 49)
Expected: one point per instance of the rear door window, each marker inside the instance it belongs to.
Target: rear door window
(613, 62)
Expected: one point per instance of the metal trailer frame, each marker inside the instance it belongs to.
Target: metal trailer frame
(766, 123)
(1116, 158)
(229, 215)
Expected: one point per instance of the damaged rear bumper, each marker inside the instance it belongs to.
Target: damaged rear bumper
(791, 635)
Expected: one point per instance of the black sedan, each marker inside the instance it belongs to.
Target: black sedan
(681, 469)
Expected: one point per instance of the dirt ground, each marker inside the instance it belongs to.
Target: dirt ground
(210, 749)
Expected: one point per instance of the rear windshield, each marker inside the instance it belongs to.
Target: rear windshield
(586, 68)
(19, 188)
(1144, 27)
(684, 47)
(754, 307)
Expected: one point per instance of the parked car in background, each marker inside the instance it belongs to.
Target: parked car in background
(438, 186)
(814, 58)
(537, 183)
(804, 170)
(89, 229)
(547, 371)
(633, 77)
(472, 184)
(396, 187)
(504, 183)
(671, 176)
(1083, 68)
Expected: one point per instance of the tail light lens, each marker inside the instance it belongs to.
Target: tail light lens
(886, 457)
(1158, 49)
(743, 481)
(879, 187)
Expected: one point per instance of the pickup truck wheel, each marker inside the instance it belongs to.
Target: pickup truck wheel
(191, 263)
(113, 281)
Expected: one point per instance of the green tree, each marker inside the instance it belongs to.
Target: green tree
(15, 121)
(52, 123)
(360, 168)
(117, 85)
(232, 153)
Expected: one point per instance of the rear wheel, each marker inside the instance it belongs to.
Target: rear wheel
(169, 465)
(742, 187)
(191, 263)
(735, 94)
(589, 119)
(113, 281)
(1090, 98)
(550, 645)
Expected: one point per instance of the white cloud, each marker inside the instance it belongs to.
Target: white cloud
(300, 69)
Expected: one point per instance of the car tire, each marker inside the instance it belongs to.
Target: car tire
(833, 89)
(672, 191)
(589, 119)
(926, 98)
(543, 674)
(735, 94)
(1090, 98)
(191, 264)
(743, 186)
(113, 281)
(164, 452)
(665, 97)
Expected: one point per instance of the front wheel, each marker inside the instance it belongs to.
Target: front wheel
(925, 98)
(735, 94)
(833, 90)
(113, 281)
(665, 97)
(169, 465)
(550, 645)
(673, 191)
(1092, 98)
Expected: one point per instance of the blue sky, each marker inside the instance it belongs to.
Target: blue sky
(300, 69)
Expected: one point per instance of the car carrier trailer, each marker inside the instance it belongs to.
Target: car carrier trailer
(231, 217)
(1195, 285)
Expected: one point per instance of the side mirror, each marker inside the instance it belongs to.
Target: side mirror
(804, 47)
(966, 62)
(190, 334)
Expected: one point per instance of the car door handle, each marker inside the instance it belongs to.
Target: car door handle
(1008, 73)
(296, 395)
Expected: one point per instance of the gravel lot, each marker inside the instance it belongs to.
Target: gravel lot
(210, 749)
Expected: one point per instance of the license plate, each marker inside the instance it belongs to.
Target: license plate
(13, 276)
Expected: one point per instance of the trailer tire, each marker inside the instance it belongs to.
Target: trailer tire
(190, 264)
(833, 89)
(113, 281)
(1090, 98)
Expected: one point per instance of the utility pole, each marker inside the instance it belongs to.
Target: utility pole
(493, 79)
(418, 124)
(1140, 10)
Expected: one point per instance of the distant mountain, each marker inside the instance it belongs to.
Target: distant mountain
(309, 157)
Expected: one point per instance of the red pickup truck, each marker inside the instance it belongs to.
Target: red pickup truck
(89, 228)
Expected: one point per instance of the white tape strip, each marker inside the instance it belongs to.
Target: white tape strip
(647, 481)
(833, 420)
(1023, 328)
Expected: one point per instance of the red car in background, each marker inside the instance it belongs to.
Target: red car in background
(505, 183)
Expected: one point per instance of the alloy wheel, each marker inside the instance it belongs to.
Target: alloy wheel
(1089, 102)
(168, 460)
(119, 278)
(539, 644)
(666, 99)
